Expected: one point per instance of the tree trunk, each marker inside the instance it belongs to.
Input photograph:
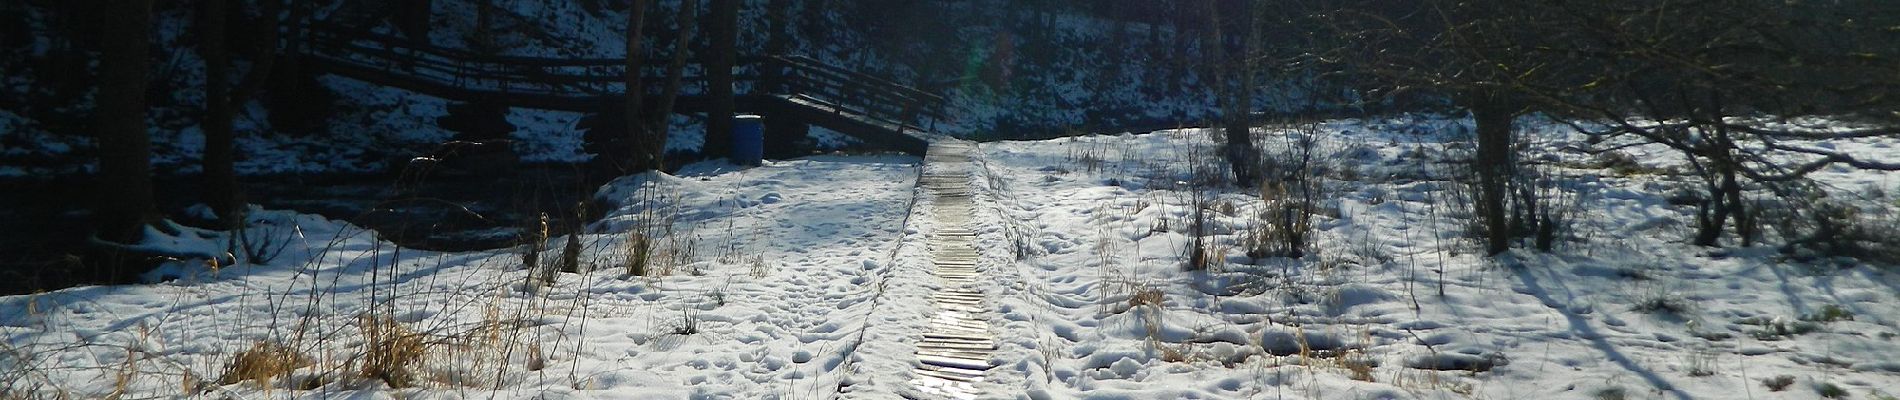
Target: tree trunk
(125, 167)
(1738, 211)
(1232, 78)
(1711, 212)
(221, 190)
(675, 75)
(220, 177)
(412, 18)
(778, 13)
(1725, 202)
(637, 133)
(1732, 187)
(1494, 167)
(484, 39)
(725, 21)
(1710, 219)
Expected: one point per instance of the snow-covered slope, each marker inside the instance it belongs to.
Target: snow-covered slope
(763, 284)
(810, 279)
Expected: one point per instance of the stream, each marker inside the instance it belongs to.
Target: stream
(44, 223)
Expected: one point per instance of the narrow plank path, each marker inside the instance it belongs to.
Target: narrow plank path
(955, 352)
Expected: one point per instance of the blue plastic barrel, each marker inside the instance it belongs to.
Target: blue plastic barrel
(748, 139)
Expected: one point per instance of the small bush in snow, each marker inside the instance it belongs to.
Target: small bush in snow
(1146, 296)
(263, 362)
(1611, 393)
(657, 243)
(1620, 163)
(1358, 366)
(688, 324)
(1661, 302)
(1701, 362)
(392, 352)
(1831, 228)
(1778, 383)
(1830, 390)
(1293, 182)
(1777, 328)
(1829, 313)
(639, 252)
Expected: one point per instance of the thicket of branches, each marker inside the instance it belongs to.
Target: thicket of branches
(1742, 90)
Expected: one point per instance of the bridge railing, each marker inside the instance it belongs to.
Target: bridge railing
(465, 69)
(472, 73)
(850, 91)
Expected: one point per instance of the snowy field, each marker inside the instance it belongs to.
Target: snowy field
(761, 286)
(808, 279)
(1393, 300)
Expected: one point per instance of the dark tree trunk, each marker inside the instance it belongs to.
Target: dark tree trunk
(125, 167)
(719, 63)
(637, 135)
(1710, 212)
(221, 190)
(483, 40)
(220, 177)
(778, 13)
(1710, 219)
(675, 75)
(1493, 165)
(412, 18)
(1724, 204)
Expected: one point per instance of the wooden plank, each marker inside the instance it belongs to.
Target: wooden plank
(954, 362)
(939, 374)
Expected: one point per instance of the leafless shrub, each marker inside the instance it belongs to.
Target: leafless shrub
(1543, 212)
(688, 323)
(1292, 184)
(657, 243)
(1778, 382)
(259, 242)
(1087, 157)
(1824, 227)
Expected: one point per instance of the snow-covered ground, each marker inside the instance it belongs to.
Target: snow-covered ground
(774, 274)
(809, 279)
(1394, 300)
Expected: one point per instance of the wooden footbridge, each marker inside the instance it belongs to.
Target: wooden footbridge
(791, 92)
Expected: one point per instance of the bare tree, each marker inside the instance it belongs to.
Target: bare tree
(1735, 87)
(1233, 80)
(1738, 89)
(1475, 54)
(655, 143)
(637, 133)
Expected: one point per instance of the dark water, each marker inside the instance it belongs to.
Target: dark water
(447, 211)
(44, 223)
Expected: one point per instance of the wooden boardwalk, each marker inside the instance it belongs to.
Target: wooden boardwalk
(955, 353)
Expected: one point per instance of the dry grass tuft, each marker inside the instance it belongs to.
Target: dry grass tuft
(392, 353)
(639, 253)
(263, 362)
(1146, 296)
